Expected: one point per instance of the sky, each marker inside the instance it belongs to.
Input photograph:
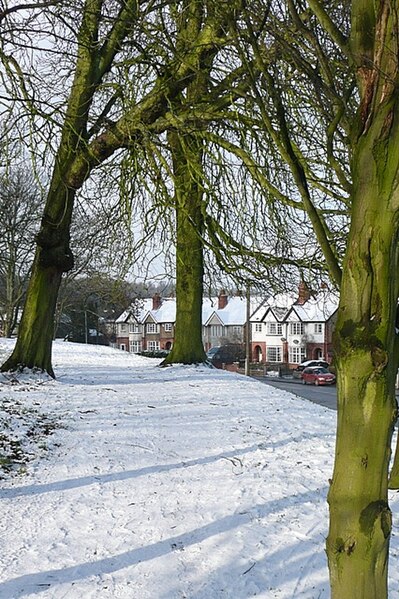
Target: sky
(138, 482)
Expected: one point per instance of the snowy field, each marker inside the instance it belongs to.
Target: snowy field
(124, 480)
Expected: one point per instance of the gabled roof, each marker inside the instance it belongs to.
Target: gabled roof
(165, 313)
(234, 313)
(316, 309)
(136, 311)
(279, 304)
(282, 306)
(279, 313)
(213, 319)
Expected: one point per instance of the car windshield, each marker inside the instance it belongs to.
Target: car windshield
(211, 352)
(321, 370)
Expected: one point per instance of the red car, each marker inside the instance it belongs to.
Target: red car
(317, 375)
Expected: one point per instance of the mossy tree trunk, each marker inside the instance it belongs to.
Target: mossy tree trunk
(187, 149)
(83, 148)
(360, 518)
(186, 153)
(53, 255)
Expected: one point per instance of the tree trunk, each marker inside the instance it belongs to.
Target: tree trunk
(186, 154)
(360, 518)
(33, 346)
(53, 257)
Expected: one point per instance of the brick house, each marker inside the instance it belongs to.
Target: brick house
(129, 328)
(285, 329)
(288, 332)
(149, 325)
(159, 325)
(226, 322)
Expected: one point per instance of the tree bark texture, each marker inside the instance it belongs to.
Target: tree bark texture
(53, 257)
(360, 518)
(53, 254)
(186, 155)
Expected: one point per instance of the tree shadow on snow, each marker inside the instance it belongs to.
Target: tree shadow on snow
(74, 483)
(38, 582)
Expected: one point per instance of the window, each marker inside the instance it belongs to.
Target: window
(135, 347)
(151, 327)
(297, 355)
(318, 327)
(124, 328)
(168, 327)
(134, 327)
(216, 330)
(153, 345)
(258, 327)
(273, 354)
(296, 328)
(237, 331)
(274, 328)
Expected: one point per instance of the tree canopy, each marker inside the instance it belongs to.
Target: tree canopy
(271, 135)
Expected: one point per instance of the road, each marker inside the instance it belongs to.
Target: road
(324, 396)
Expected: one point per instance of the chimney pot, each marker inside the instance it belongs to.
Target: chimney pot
(156, 301)
(222, 300)
(303, 293)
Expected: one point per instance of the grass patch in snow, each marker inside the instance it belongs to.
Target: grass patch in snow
(24, 433)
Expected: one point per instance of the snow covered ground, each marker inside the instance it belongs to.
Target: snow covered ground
(130, 481)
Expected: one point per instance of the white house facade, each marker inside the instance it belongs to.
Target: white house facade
(291, 332)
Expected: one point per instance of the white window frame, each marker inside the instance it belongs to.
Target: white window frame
(296, 328)
(124, 327)
(134, 327)
(151, 328)
(135, 347)
(274, 353)
(152, 345)
(318, 328)
(274, 328)
(297, 354)
(258, 327)
(168, 327)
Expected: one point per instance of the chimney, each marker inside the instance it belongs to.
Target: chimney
(222, 299)
(303, 293)
(156, 301)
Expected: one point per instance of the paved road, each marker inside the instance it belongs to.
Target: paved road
(324, 396)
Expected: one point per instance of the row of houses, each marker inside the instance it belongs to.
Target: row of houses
(283, 328)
